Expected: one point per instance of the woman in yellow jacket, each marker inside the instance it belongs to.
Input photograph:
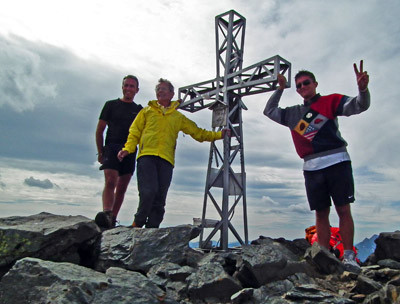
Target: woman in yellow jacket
(155, 130)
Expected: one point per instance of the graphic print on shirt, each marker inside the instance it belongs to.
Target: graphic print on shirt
(310, 124)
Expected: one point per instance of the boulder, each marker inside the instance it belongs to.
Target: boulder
(50, 282)
(140, 249)
(211, 281)
(387, 246)
(323, 259)
(46, 236)
(268, 260)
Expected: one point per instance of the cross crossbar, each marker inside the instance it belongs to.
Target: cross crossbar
(258, 78)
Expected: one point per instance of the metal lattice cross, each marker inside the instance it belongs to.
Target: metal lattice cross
(223, 95)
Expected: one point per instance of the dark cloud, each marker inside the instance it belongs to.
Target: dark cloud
(23, 82)
(51, 100)
(45, 184)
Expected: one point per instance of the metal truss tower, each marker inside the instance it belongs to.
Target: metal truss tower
(223, 95)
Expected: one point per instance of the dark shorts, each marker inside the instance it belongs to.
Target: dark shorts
(334, 182)
(110, 160)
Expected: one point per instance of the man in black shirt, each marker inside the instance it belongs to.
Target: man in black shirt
(117, 115)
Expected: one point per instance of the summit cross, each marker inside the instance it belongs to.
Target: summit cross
(223, 95)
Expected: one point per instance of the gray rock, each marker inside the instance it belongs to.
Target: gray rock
(140, 249)
(259, 264)
(381, 274)
(211, 281)
(176, 290)
(228, 260)
(324, 260)
(51, 282)
(161, 270)
(180, 274)
(387, 246)
(45, 236)
(297, 246)
(165, 272)
(268, 260)
(212, 257)
(271, 292)
(366, 285)
(389, 263)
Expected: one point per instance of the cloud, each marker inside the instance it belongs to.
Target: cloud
(299, 209)
(269, 201)
(22, 81)
(45, 184)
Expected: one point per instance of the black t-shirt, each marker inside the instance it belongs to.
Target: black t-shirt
(119, 116)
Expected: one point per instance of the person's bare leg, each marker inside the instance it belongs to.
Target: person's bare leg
(120, 190)
(346, 226)
(111, 178)
(323, 227)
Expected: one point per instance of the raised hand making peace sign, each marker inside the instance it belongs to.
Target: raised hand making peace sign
(362, 77)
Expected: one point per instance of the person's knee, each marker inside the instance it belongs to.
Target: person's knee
(110, 183)
(344, 211)
(323, 214)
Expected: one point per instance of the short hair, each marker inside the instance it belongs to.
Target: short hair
(302, 73)
(162, 80)
(131, 77)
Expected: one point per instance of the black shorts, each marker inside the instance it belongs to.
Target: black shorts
(110, 160)
(334, 182)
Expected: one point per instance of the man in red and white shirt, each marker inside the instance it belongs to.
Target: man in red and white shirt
(327, 166)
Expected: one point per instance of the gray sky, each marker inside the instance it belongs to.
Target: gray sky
(60, 61)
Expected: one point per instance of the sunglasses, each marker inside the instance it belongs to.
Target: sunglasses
(304, 83)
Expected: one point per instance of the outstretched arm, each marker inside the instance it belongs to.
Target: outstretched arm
(362, 101)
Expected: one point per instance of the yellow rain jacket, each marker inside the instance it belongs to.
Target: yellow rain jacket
(156, 129)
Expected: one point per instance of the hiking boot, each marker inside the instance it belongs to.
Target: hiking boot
(350, 263)
(103, 219)
(114, 221)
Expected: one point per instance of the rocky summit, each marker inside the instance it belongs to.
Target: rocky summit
(47, 258)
